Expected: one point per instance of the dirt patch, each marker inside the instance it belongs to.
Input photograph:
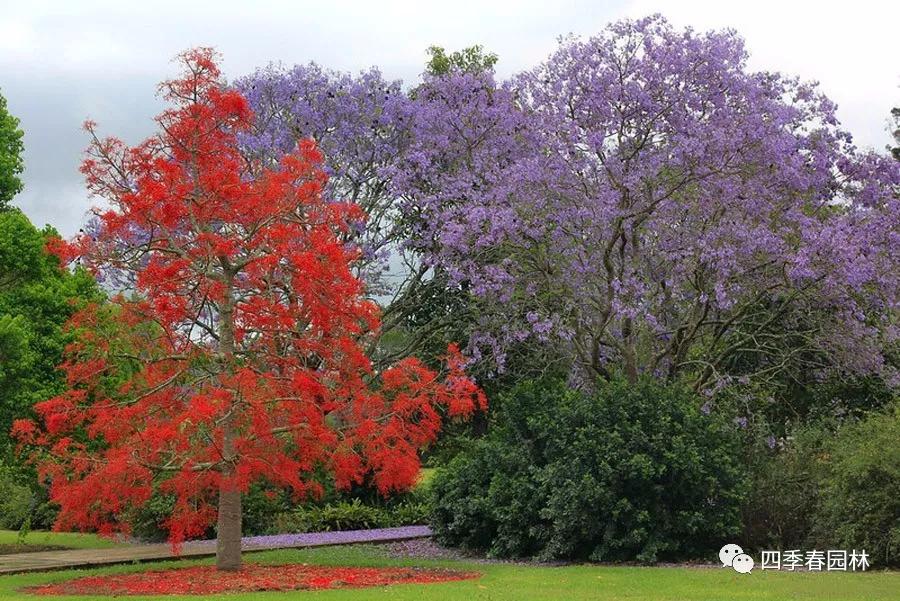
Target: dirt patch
(205, 580)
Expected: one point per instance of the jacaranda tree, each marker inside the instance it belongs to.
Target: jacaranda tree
(234, 352)
(364, 126)
(649, 205)
(359, 123)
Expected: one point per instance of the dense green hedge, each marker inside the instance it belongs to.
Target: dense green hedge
(831, 486)
(629, 472)
(349, 515)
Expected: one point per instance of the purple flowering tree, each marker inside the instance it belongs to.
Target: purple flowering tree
(645, 203)
(457, 195)
(360, 123)
(370, 132)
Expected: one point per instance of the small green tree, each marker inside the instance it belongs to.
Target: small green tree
(36, 299)
(468, 60)
(11, 148)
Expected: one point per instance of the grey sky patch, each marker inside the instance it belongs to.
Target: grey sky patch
(62, 62)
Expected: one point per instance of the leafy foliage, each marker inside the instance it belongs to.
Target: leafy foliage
(36, 299)
(860, 497)
(16, 500)
(468, 60)
(349, 515)
(629, 472)
(830, 485)
(11, 149)
(785, 488)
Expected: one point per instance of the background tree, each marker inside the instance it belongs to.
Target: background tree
(365, 127)
(235, 353)
(895, 150)
(472, 59)
(359, 123)
(11, 149)
(36, 299)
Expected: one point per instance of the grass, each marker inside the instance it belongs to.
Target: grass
(510, 582)
(70, 540)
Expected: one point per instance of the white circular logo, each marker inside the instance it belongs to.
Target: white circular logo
(742, 563)
(728, 553)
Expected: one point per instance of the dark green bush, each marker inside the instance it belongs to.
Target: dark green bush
(348, 515)
(16, 501)
(859, 506)
(629, 472)
(780, 509)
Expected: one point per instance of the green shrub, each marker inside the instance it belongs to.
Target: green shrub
(780, 509)
(260, 506)
(349, 515)
(830, 485)
(147, 522)
(16, 502)
(629, 472)
(859, 506)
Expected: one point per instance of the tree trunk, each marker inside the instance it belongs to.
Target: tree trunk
(228, 538)
(629, 355)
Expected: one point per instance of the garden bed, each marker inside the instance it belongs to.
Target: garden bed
(206, 580)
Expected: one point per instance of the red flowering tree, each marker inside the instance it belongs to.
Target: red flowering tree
(233, 351)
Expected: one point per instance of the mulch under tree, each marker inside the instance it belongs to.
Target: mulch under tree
(206, 580)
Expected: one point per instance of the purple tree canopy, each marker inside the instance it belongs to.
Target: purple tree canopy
(648, 205)
(638, 203)
(361, 124)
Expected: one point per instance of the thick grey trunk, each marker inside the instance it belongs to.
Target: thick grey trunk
(228, 536)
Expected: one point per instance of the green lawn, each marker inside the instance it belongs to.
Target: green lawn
(505, 582)
(73, 540)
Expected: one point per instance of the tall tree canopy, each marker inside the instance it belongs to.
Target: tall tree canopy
(235, 352)
(649, 205)
(359, 124)
(364, 125)
(36, 299)
(11, 149)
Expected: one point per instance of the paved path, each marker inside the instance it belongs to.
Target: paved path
(81, 558)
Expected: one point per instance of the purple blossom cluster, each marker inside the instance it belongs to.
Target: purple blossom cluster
(360, 123)
(641, 200)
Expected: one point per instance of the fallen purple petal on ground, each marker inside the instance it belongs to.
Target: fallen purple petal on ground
(338, 537)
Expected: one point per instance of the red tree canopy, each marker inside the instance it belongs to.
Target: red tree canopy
(233, 352)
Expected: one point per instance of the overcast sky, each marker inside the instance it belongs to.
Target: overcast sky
(61, 62)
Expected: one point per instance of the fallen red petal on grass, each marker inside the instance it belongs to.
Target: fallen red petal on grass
(206, 580)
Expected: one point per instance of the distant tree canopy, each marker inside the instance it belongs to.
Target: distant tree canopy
(895, 150)
(11, 148)
(468, 60)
